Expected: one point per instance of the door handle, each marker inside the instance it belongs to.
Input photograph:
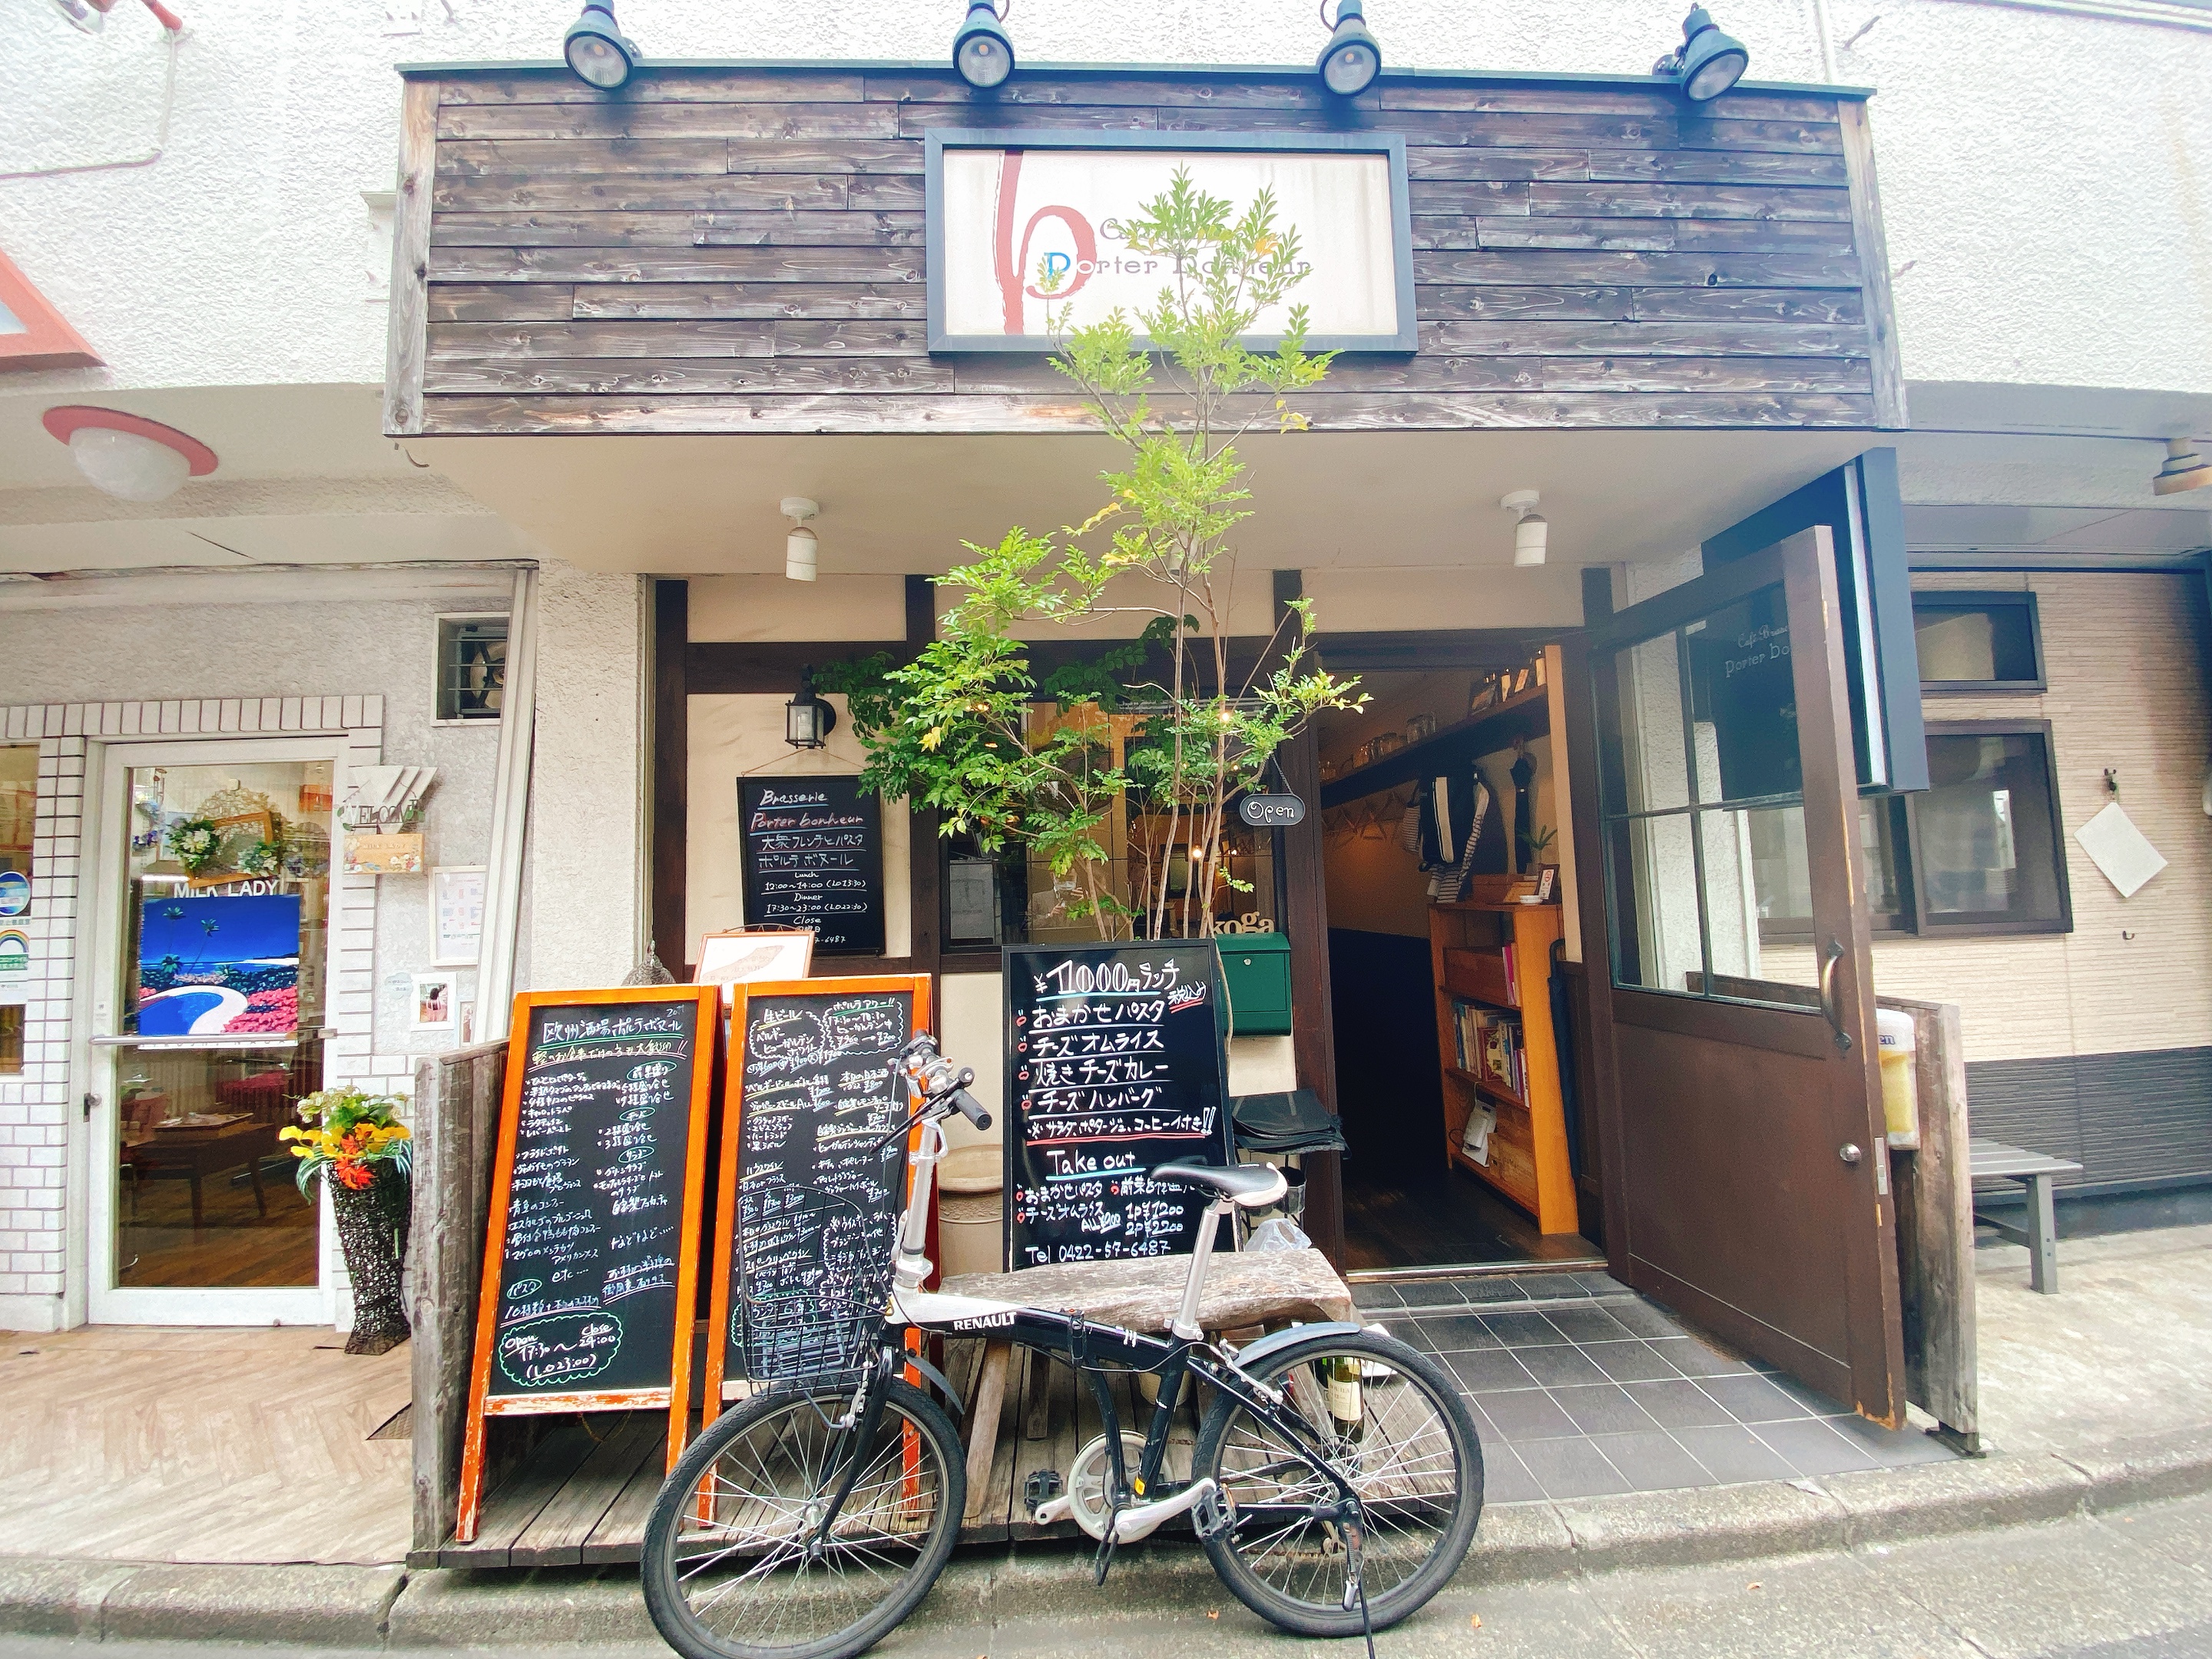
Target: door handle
(1849, 1152)
(91, 1100)
(1835, 954)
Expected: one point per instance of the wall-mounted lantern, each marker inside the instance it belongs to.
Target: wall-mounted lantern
(807, 720)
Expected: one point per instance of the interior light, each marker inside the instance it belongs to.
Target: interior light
(2184, 469)
(598, 51)
(1707, 63)
(981, 52)
(801, 548)
(1351, 60)
(807, 720)
(128, 456)
(1532, 533)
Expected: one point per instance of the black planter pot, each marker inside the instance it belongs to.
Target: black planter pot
(372, 1232)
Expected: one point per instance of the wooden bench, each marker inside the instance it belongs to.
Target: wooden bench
(1257, 1288)
(1991, 1160)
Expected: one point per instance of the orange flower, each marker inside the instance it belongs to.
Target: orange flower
(354, 1173)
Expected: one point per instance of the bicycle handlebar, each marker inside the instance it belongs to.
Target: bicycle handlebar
(971, 1109)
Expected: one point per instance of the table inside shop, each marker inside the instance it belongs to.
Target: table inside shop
(579, 1493)
(198, 1151)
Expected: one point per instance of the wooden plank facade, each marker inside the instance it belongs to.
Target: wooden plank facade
(741, 250)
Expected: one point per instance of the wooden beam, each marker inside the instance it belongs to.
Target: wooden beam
(1873, 263)
(672, 753)
(410, 260)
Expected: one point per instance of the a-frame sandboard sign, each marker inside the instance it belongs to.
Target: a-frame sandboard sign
(33, 334)
(591, 1255)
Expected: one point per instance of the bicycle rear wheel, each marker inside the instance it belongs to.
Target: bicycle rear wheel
(727, 1569)
(1399, 1434)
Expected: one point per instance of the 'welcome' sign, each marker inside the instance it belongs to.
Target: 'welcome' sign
(1021, 221)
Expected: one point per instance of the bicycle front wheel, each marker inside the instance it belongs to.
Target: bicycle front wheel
(735, 1566)
(1394, 1426)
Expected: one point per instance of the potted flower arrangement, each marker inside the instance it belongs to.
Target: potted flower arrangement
(193, 842)
(354, 1140)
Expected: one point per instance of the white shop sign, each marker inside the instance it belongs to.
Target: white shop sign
(1010, 212)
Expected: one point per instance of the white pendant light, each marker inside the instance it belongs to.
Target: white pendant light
(1532, 533)
(801, 548)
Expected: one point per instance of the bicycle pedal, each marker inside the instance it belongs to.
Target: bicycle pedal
(1042, 1486)
(1210, 1516)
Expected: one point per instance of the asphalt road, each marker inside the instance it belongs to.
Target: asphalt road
(2137, 1585)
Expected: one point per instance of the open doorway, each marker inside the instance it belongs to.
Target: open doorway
(1441, 854)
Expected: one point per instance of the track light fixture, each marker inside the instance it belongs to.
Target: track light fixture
(600, 53)
(1707, 63)
(1531, 533)
(2184, 469)
(1349, 62)
(981, 52)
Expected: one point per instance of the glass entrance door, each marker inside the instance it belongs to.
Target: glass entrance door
(214, 919)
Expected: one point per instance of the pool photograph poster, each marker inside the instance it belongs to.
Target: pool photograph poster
(219, 965)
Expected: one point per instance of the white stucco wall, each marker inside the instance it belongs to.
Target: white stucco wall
(2044, 173)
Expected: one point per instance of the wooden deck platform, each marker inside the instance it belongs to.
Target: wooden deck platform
(581, 1495)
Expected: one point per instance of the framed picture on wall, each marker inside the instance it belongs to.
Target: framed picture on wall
(457, 905)
(435, 1005)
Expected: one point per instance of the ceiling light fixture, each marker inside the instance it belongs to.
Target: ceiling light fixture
(981, 51)
(807, 720)
(600, 53)
(1349, 62)
(2184, 469)
(802, 548)
(128, 456)
(1707, 63)
(1531, 533)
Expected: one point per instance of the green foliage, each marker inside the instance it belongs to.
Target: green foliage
(965, 729)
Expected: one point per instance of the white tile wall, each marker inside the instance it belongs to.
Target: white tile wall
(35, 1107)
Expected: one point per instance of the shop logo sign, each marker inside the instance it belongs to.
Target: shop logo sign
(1025, 240)
(14, 953)
(15, 892)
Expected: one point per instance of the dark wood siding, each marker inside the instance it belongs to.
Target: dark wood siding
(737, 250)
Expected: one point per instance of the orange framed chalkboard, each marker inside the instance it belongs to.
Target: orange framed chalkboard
(590, 1254)
(800, 1203)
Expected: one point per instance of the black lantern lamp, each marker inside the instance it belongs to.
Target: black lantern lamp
(1707, 63)
(981, 52)
(807, 720)
(598, 51)
(1350, 61)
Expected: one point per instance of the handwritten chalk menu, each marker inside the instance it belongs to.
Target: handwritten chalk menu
(812, 856)
(1116, 1062)
(590, 1265)
(813, 1200)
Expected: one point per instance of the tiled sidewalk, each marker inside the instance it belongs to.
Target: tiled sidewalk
(1580, 1388)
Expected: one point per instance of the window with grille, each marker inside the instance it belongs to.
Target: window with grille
(471, 667)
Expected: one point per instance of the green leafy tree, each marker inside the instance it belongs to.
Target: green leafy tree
(960, 728)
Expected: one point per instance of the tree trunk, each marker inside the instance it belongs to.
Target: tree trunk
(372, 1232)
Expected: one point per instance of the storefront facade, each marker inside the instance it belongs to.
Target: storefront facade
(626, 326)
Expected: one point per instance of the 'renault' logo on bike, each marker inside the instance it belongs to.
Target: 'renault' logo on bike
(984, 1322)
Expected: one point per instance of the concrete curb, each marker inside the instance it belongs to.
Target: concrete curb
(386, 1607)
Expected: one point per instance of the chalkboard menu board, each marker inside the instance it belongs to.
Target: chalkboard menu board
(591, 1258)
(810, 1204)
(812, 856)
(1116, 1062)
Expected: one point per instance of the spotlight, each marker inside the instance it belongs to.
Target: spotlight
(1530, 533)
(1349, 62)
(598, 51)
(981, 52)
(807, 720)
(801, 547)
(1707, 63)
(128, 456)
(2184, 469)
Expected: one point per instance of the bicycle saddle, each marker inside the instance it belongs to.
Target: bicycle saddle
(1254, 1185)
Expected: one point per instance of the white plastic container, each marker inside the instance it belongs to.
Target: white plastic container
(1900, 1085)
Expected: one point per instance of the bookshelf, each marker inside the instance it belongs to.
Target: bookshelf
(1528, 1146)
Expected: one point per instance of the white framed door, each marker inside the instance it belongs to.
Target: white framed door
(207, 983)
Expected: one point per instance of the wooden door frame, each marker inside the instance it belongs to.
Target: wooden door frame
(682, 668)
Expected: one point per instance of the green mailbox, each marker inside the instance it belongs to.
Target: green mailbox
(1256, 970)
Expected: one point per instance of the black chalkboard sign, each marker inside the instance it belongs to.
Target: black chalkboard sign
(811, 855)
(1116, 1062)
(812, 1210)
(590, 1263)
